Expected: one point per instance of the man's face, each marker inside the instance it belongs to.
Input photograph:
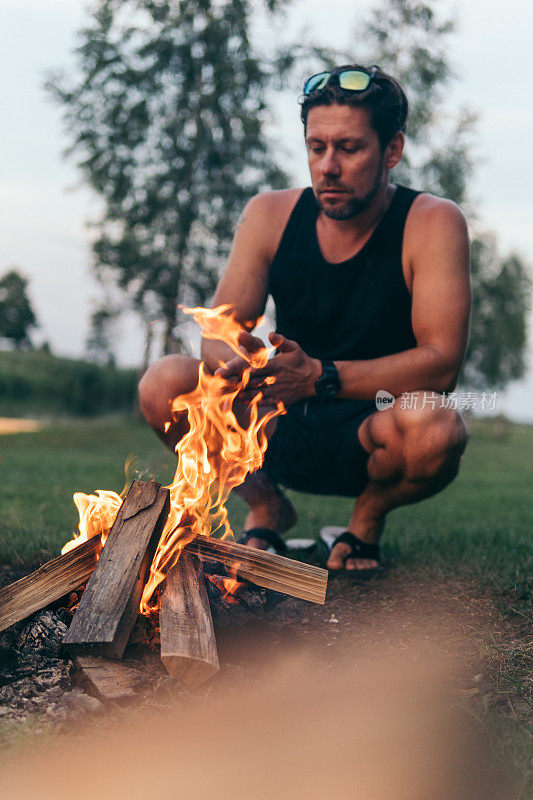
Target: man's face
(345, 159)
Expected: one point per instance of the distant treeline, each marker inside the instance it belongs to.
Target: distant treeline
(40, 383)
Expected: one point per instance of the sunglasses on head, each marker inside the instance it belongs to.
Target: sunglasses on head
(349, 80)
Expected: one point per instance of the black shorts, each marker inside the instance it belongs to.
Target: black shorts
(315, 447)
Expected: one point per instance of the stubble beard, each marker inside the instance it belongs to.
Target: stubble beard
(354, 206)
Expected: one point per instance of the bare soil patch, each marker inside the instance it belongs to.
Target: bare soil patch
(485, 647)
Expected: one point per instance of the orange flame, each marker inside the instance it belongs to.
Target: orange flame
(97, 514)
(221, 323)
(231, 587)
(228, 587)
(214, 456)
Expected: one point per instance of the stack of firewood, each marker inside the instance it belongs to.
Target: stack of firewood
(115, 579)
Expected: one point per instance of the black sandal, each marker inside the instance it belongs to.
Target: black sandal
(272, 538)
(358, 549)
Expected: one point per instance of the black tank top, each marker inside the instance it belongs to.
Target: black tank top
(358, 309)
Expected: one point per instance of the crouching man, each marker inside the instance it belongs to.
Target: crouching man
(370, 282)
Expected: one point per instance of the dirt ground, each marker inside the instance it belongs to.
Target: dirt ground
(391, 684)
(368, 621)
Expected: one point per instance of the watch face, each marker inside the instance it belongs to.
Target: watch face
(330, 387)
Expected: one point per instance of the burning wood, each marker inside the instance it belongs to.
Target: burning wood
(188, 646)
(49, 583)
(109, 606)
(265, 569)
(220, 448)
(72, 569)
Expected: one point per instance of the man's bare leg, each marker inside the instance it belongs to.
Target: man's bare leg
(413, 455)
(163, 381)
(269, 507)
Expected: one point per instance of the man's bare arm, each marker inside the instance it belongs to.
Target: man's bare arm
(438, 255)
(244, 282)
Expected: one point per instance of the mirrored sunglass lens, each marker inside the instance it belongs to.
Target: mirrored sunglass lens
(354, 80)
(316, 82)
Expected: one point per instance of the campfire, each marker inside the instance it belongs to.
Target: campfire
(147, 552)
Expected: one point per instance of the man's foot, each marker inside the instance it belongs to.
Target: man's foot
(278, 514)
(341, 558)
(264, 538)
(350, 551)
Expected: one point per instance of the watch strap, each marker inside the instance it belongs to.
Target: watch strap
(328, 384)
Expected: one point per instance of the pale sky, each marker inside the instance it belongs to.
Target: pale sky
(44, 211)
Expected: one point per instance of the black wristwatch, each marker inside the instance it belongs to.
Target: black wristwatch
(329, 384)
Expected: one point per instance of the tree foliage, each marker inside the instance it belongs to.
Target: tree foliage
(498, 335)
(100, 343)
(17, 317)
(166, 115)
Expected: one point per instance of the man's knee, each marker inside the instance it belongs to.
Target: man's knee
(433, 442)
(164, 380)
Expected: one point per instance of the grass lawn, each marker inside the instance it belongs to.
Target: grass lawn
(41, 471)
(480, 527)
(477, 533)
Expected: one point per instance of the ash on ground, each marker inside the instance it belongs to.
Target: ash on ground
(39, 681)
(36, 674)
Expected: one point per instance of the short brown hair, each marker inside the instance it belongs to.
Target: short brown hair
(384, 99)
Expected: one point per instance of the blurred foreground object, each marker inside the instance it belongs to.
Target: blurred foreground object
(386, 730)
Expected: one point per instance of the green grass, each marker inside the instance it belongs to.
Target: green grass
(41, 471)
(479, 528)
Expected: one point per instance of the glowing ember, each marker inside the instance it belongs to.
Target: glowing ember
(228, 587)
(232, 587)
(215, 455)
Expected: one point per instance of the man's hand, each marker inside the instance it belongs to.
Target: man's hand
(289, 375)
(233, 370)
